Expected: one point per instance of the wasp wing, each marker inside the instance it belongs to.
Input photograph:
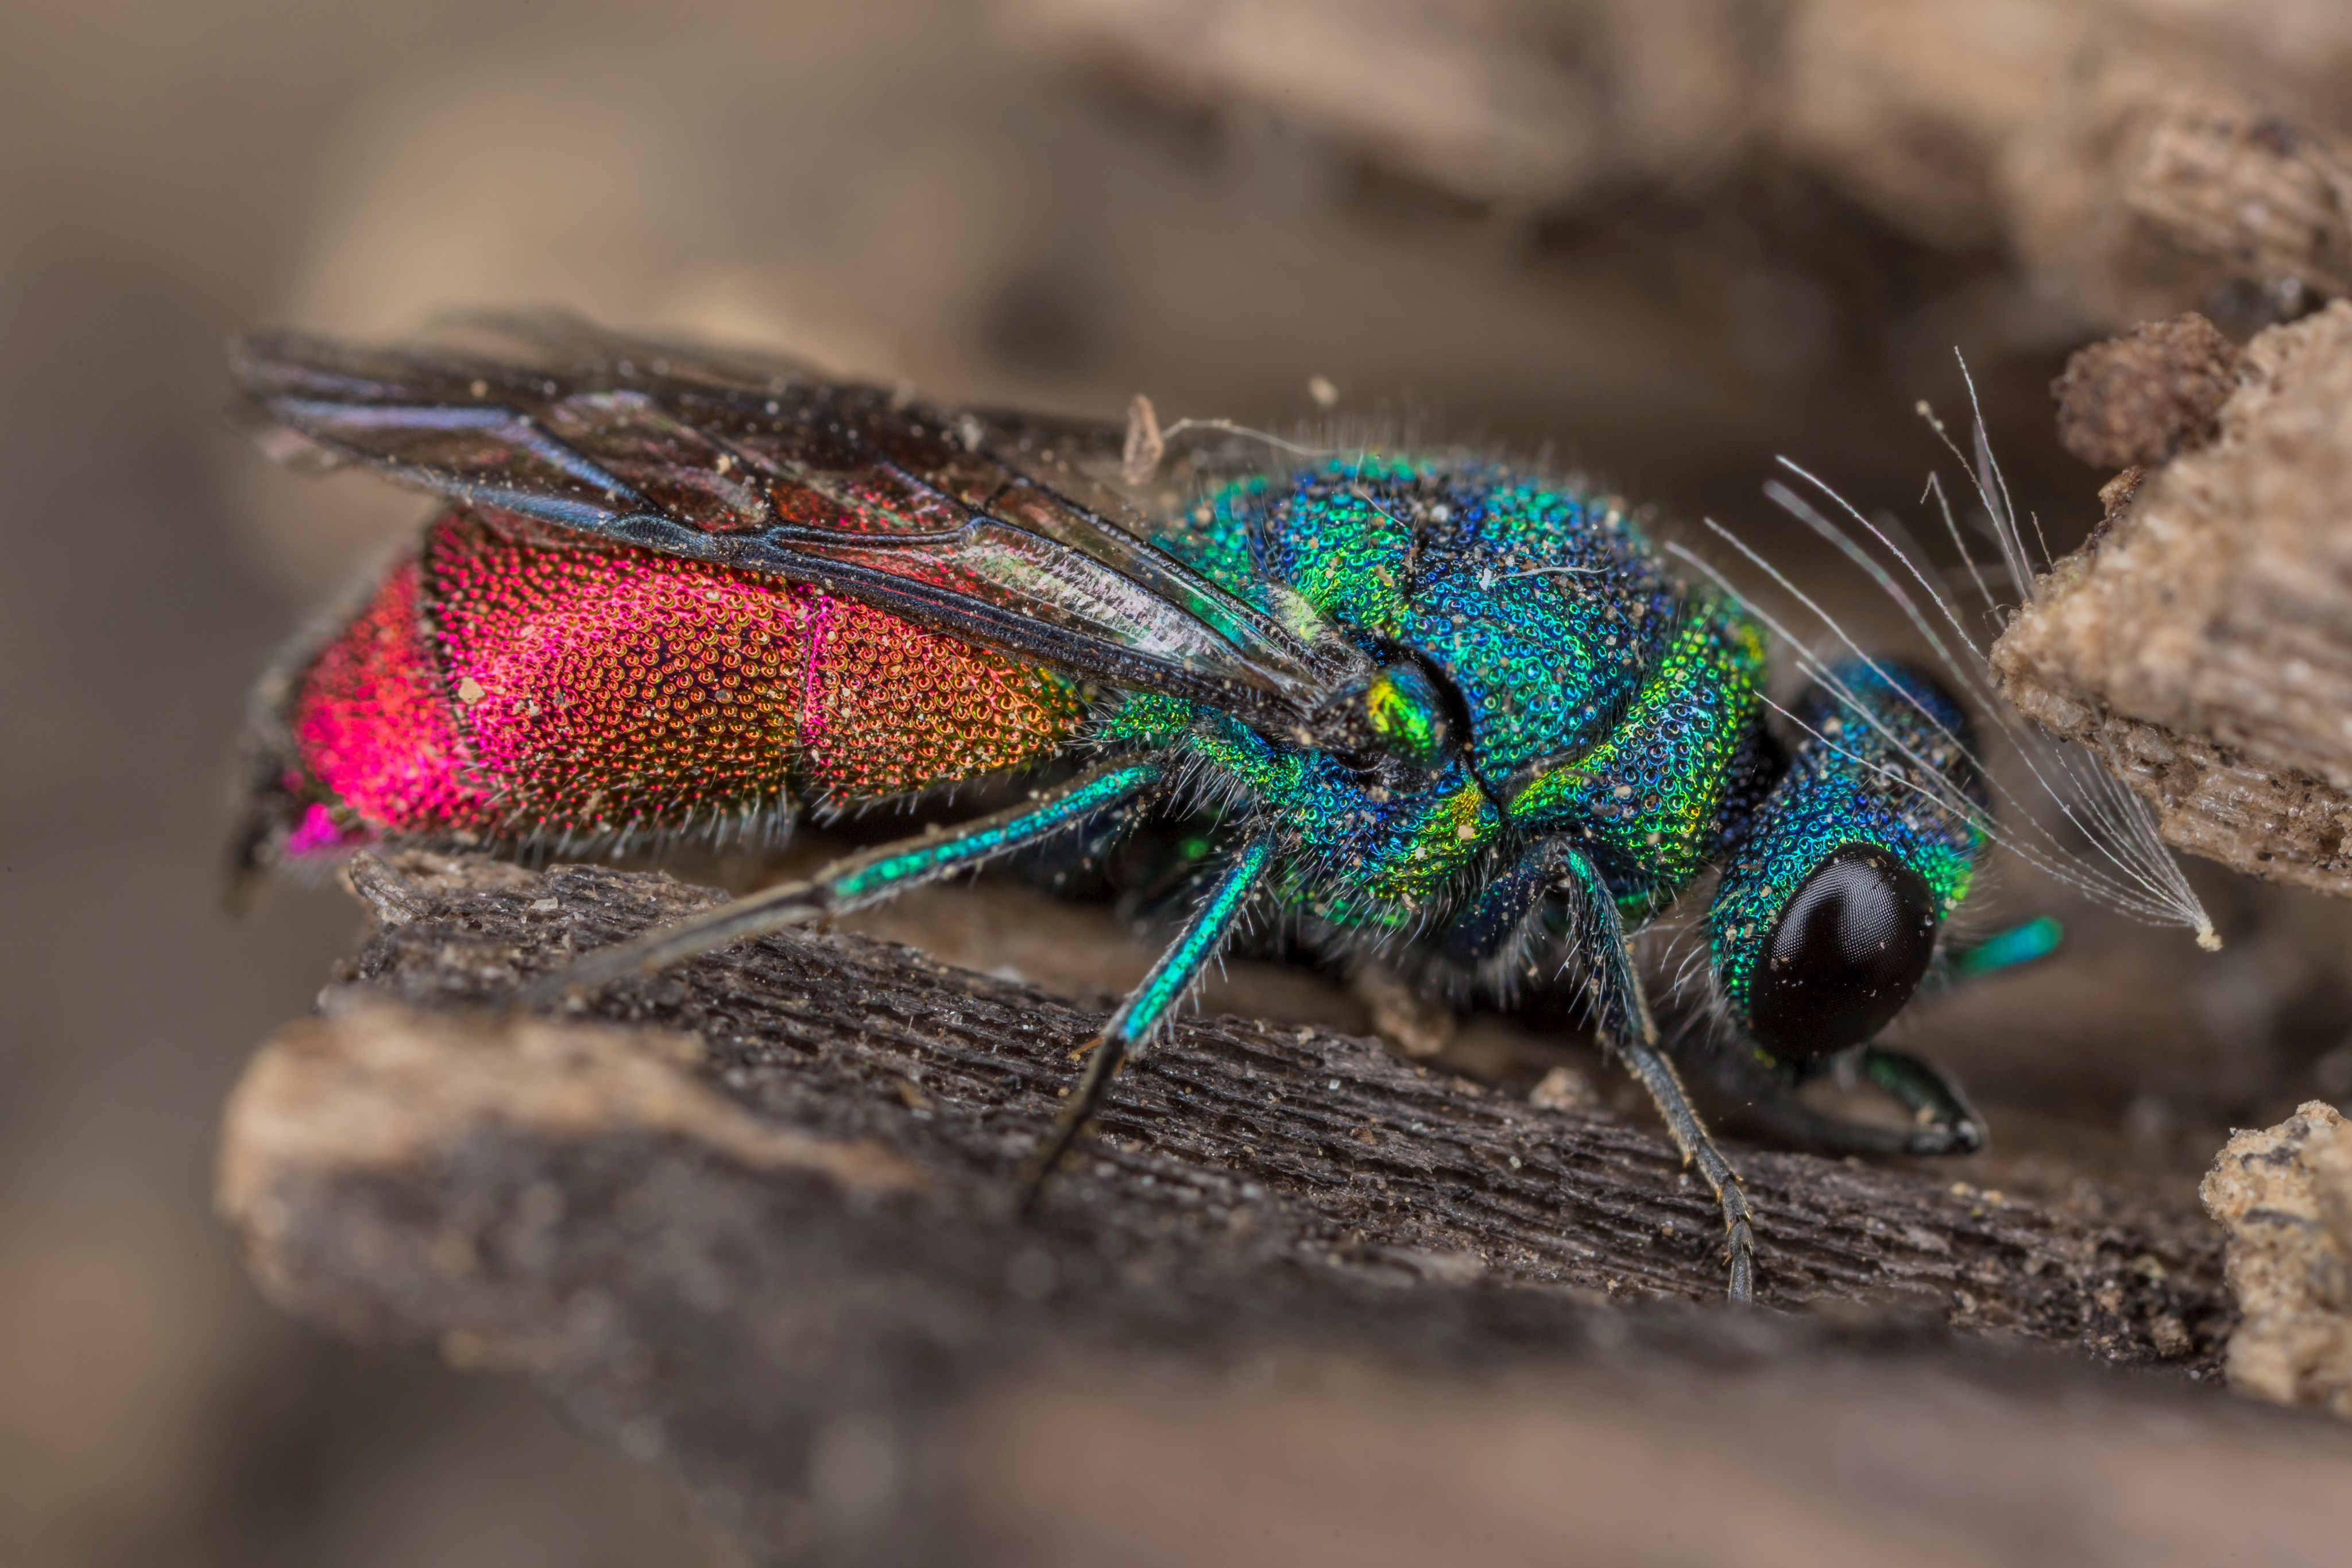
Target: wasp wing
(996, 527)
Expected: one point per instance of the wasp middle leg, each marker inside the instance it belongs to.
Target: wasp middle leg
(1149, 1005)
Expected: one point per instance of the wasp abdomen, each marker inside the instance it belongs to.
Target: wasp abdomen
(509, 684)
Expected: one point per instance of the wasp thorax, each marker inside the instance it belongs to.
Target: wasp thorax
(1845, 956)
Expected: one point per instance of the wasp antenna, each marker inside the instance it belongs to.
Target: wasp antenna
(2127, 865)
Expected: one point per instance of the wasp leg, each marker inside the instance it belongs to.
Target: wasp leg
(1149, 1006)
(1487, 931)
(2012, 948)
(1628, 1029)
(1769, 1105)
(861, 879)
(1944, 1123)
(1949, 1124)
(1657, 1076)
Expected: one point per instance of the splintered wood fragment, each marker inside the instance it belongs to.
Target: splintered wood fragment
(2262, 195)
(2202, 641)
(2138, 399)
(2285, 1195)
(2149, 175)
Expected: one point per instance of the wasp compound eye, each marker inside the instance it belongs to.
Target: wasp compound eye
(1844, 956)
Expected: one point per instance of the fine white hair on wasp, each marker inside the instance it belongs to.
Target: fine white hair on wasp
(2126, 865)
(1230, 427)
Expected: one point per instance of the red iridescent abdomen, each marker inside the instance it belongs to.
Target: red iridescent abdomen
(509, 683)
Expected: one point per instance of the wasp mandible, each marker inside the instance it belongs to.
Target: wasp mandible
(1439, 709)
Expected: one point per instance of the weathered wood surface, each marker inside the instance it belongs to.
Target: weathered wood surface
(2285, 1193)
(1238, 1145)
(2129, 166)
(2202, 640)
(754, 1218)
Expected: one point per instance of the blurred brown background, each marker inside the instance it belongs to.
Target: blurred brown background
(1666, 241)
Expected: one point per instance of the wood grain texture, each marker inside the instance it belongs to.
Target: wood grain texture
(754, 1216)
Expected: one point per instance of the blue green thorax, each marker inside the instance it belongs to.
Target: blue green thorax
(1582, 668)
(1647, 801)
(1542, 605)
(1354, 855)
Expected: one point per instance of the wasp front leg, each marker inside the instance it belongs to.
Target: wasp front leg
(1943, 1122)
(1628, 1029)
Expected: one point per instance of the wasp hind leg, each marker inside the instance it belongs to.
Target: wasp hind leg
(1628, 1029)
(1149, 1005)
(866, 878)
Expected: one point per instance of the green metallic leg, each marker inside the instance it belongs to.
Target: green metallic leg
(1947, 1123)
(1149, 1005)
(1628, 1029)
(2004, 950)
(1944, 1121)
(858, 880)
